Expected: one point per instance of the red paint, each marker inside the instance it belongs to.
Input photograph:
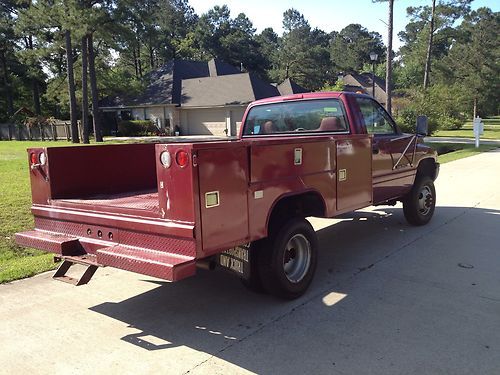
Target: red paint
(122, 205)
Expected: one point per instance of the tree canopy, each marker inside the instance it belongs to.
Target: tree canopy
(128, 39)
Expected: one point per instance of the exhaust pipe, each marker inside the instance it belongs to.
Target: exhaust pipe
(206, 264)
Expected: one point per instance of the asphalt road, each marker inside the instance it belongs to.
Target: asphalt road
(387, 299)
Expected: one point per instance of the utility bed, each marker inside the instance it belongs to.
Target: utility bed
(99, 205)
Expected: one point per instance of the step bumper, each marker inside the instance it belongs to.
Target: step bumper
(165, 265)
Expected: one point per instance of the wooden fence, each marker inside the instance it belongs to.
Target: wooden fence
(59, 130)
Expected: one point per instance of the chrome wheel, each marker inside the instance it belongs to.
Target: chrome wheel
(425, 200)
(297, 258)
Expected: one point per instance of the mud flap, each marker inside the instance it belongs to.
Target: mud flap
(237, 260)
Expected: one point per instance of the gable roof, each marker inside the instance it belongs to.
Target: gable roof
(289, 87)
(364, 80)
(165, 83)
(233, 89)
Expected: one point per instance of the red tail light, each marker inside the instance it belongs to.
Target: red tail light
(182, 158)
(33, 158)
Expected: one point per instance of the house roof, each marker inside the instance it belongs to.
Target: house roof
(364, 80)
(202, 84)
(234, 89)
(289, 87)
(165, 83)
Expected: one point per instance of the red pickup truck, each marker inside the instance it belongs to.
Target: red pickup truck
(241, 203)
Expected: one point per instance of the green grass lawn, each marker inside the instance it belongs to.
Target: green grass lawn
(15, 200)
(491, 130)
(453, 151)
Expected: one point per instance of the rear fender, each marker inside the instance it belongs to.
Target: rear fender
(286, 206)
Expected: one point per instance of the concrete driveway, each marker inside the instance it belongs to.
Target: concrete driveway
(471, 141)
(387, 299)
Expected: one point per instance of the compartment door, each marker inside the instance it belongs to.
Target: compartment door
(223, 182)
(354, 172)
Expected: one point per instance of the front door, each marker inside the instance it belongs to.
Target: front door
(388, 145)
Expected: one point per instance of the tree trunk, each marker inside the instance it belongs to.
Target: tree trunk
(475, 108)
(134, 54)
(8, 88)
(71, 88)
(388, 72)
(85, 94)
(139, 64)
(36, 96)
(93, 88)
(429, 47)
(34, 84)
(151, 55)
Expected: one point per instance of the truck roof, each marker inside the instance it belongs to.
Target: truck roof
(309, 95)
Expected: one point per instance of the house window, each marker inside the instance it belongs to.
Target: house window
(126, 115)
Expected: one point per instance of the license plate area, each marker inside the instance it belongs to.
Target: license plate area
(236, 260)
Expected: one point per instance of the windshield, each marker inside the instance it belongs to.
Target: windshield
(323, 115)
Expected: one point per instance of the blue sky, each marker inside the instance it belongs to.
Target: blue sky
(327, 15)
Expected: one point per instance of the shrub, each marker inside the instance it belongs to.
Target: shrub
(135, 128)
(440, 103)
(33, 122)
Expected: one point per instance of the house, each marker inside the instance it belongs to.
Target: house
(363, 83)
(197, 97)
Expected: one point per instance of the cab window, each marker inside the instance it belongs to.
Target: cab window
(376, 119)
(295, 117)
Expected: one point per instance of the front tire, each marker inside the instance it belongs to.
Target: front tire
(419, 204)
(288, 263)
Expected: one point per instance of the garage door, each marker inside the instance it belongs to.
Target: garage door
(206, 121)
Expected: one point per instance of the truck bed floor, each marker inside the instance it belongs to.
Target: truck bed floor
(142, 200)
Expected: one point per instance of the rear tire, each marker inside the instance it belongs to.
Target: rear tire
(288, 261)
(420, 202)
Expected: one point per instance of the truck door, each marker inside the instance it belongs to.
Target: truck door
(387, 147)
(223, 183)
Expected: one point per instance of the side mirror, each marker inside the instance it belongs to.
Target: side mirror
(422, 126)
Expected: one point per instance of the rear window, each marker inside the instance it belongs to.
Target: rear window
(318, 116)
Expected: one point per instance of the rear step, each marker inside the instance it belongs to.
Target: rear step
(86, 260)
(154, 263)
(161, 264)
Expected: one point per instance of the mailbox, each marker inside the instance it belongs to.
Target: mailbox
(478, 128)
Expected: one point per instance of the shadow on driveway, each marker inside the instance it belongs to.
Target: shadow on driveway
(386, 298)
